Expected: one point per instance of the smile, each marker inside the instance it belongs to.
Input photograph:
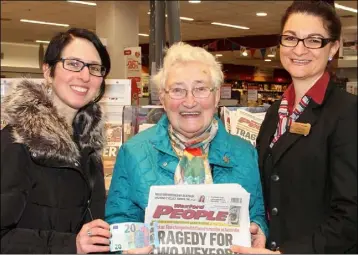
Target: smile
(300, 62)
(189, 114)
(79, 89)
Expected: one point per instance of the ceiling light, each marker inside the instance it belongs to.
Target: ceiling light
(268, 60)
(271, 55)
(228, 25)
(244, 54)
(194, 1)
(143, 34)
(82, 2)
(40, 41)
(218, 55)
(185, 18)
(261, 14)
(182, 18)
(338, 6)
(44, 23)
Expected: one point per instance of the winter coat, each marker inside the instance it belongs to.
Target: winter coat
(310, 182)
(51, 174)
(148, 159)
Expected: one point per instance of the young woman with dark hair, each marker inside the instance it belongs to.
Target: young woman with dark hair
(52, 184)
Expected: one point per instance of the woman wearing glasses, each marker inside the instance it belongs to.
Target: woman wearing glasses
(52, 185)
(307, 144)
(189, 144)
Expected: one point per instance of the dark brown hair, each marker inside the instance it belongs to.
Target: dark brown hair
(62, 39)
(324, 10)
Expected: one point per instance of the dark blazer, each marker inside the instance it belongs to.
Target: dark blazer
(310, 182)
(51, 182)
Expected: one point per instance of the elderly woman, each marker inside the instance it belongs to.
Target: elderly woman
(189, 144)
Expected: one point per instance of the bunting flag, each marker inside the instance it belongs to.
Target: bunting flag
(263, 52)
(234, 46)
(273, 50)
(252, 51)
(213, 45)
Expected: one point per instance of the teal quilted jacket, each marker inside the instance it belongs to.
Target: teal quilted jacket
(148, 159)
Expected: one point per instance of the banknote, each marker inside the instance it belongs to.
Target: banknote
(131, 235)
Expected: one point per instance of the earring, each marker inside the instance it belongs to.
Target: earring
(49, 88)
(330, 59)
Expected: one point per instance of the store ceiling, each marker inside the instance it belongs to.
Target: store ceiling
(241, 13)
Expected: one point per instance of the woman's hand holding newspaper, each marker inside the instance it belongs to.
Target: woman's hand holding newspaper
(258, 238)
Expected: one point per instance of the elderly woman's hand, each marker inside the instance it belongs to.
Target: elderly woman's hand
(144, 250)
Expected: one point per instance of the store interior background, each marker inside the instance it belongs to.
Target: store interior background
(120, 24)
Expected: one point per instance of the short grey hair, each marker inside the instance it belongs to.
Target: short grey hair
(180, 53)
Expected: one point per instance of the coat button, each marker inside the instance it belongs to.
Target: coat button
(274, 211)
(273, 245)
(275, 177)
(165, 164)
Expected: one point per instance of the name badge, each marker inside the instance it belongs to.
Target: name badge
(300, 128)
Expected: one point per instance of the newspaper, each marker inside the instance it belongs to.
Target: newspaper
(228, 117)
(351, 87)
(247, 125)
(115, 132)
(148, 116)
(199, 219)
(244, 121)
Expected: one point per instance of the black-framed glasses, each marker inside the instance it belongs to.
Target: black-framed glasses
(308, 42)
(199, 92)
(76, 65)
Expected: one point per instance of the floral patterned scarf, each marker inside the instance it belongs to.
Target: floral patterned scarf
(193, 166)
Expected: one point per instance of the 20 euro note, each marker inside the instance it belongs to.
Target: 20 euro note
(131, 235)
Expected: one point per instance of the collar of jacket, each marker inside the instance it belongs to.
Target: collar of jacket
(312, 104)
(37, 124)
(220, 152)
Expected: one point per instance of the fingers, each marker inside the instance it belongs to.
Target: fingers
(144, 250)
(238, 249)
(100, 232)
(99, 240)
(254, 228)
(93, 237)
(259, 242)
(248, 250)
(97, 223)
(96, 248)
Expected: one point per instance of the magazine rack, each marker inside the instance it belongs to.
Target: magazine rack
(122, 123)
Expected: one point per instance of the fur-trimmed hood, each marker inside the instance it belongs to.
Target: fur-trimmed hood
(37, 124)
